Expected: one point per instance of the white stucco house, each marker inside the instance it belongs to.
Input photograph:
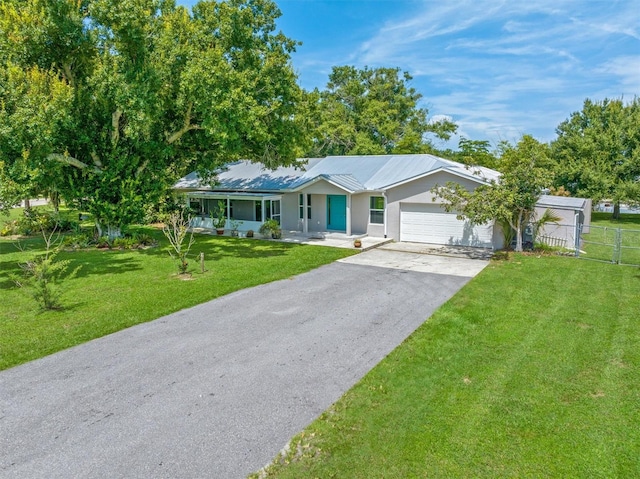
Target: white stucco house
(387, 196)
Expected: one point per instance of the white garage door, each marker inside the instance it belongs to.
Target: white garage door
(429, 223)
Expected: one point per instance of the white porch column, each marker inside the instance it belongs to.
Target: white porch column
(348, 215)
(262, 212)
(305, 216)
(384, 212)
(228, 212)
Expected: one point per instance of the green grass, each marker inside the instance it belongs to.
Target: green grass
(532, 370)
(117, 289)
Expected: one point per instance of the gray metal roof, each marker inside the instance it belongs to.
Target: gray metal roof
(352, 173)
(246, 176)
(561, 202)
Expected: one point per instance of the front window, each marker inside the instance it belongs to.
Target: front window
(301, 206)
(376, 209)
(275, 210)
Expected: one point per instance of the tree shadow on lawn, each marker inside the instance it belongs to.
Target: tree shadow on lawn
(27, 243)
(84, 266)
(219, 247)
(103, 262)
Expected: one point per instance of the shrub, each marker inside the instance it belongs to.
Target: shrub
(43, 272)
(103, 242)
(9, 228)
(77, 241)
(144, 239)
(124, 243)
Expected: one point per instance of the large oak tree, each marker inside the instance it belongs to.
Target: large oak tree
(107, 102)
(598, 152)
(370, 111)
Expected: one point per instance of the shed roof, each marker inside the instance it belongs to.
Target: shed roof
(562, 202)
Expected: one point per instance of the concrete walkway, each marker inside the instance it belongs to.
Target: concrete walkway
(215, 390)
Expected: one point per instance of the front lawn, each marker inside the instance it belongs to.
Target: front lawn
(117, 289)
(532, 370)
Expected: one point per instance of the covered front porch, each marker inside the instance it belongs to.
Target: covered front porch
(243, 211)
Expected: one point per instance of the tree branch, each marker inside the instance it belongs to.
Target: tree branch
(175, 136)
(70, 160)
(115, 125)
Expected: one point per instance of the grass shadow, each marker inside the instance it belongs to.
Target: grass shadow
(215, 247)
(102, 262)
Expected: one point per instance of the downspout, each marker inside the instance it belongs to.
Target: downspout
(384, 213)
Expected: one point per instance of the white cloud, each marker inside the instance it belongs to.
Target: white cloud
(501, 69)
(626, 68)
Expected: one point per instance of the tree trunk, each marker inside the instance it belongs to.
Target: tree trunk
(616, 210)
(113, 232)
(519, 233)
(54, 196)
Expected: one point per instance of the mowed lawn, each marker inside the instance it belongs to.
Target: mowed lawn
(531, 371)
(115, 289)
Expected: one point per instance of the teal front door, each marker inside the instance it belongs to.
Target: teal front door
(337, 212)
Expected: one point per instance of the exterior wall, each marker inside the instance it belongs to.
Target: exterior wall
(587, 216)
(498, 237)
(289, 214)
(561, 233)
(360, 214)
(418, 191)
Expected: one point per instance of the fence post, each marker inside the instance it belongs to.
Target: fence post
(617, 246)
(577, 234)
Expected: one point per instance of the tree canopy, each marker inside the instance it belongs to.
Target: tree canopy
(370, 111)
(598, 152)
(109, 101)
(525, 172)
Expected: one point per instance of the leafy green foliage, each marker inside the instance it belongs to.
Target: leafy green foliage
(270, 228)
(35, 221)
(41, 276)
(511, 200)
(43, 272)
(476, 153)
(370, 111)
(106, 102)
(598, 152)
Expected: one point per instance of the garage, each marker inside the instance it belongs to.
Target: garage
(429, 223)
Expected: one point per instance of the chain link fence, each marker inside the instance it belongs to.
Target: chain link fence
(612, 245)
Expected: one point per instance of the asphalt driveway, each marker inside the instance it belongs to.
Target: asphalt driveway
(215, 390)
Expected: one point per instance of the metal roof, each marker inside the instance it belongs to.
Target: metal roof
(562, 202)
(352, 173)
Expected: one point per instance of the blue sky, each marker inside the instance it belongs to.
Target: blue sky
(499, 69)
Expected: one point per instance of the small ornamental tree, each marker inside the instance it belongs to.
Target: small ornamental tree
(512, 199)
(43, 272)
(176, 229)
